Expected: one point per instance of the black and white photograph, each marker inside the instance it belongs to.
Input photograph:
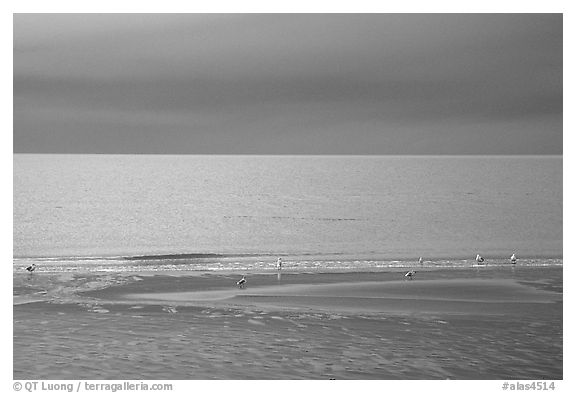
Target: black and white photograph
(288, 196)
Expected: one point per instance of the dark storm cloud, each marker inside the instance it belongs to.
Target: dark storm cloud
(359, 84)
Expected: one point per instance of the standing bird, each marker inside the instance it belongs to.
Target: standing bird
(242, 283)
(410, 274)
(31, 268)
(421, 261)
(279, 264)
(479, 259)
(513, 259)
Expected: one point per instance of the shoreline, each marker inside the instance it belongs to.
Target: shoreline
(252, 265)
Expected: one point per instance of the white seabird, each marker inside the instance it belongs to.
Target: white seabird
(410, 274)
(242, 283)
(421, 261)
(513, 259)
(479, 259)
(31, 268)
(279, 264)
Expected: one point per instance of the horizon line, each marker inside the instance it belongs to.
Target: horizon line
(301, 154)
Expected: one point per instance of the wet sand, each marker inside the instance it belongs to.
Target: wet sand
(500, 323)
(462, 296)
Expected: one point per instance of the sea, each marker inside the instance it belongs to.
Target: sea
(240, 212)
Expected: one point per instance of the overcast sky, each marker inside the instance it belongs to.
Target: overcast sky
(288, 83)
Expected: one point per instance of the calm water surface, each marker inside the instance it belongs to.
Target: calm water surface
(380, 207)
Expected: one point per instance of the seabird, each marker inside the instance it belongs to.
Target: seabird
(421, 261)
(410, 274)
(513, 259)
(31, 268)
(479, 259)
(242, 282)
(279, 264)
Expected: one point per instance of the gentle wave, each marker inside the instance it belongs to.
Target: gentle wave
(252, 262)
